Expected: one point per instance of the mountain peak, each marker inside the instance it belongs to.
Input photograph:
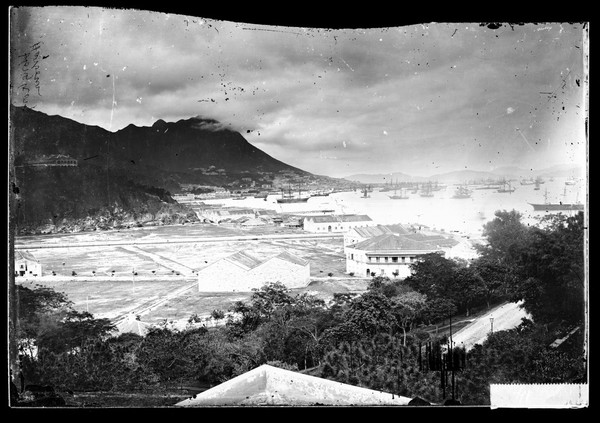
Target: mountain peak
(159, 124)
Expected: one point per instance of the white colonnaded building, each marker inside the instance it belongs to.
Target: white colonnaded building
(390, 254)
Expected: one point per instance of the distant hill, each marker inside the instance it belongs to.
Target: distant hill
(124, 173)
(382, 178)
(472, 175)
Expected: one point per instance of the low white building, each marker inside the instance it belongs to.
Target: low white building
(26, 264)
(243, 272)
(336, 222)
(391, 255)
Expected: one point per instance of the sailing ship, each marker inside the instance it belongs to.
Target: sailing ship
(462, 192)
(537, 185)
(365, 192)
(291, 198)
(527, 181)
(560, 206)
(427, 191)
(388, 187)
(506, 187)
(402, 195)
(320, 194)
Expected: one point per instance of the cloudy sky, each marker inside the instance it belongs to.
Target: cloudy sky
(419, 99)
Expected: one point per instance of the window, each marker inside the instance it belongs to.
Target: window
(377, 259)
(387, 259)
(394, 259)
(403, 259)
(370, 259)
(352, 256)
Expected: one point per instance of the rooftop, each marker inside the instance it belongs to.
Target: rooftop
(391, 242)
(333, 218)
(245, 259)
(269, 385)
(284, 255)
(24, 255)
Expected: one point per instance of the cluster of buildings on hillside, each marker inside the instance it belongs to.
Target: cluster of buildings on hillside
(53, 160)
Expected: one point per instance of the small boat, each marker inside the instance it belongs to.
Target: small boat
(320, 194)
(570, 181)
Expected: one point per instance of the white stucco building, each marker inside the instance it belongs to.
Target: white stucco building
(387, 254)
(336, 222)
(243, 272)
(26, 264)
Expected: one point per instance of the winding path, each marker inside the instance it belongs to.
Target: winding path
(505, 316)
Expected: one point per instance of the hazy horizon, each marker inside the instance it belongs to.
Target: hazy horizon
(419, 99)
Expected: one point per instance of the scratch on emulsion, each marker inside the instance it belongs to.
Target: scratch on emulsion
(112, 109)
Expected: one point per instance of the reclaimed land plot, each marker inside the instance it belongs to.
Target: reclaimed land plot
(156, 280)
(324, 255)
(110, 299)
(151, 233)
(105, 261)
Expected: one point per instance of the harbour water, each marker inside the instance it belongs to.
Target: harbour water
(441, 212)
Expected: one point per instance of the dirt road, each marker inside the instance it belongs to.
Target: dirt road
(503, 317)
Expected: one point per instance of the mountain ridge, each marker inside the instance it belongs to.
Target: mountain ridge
(564, 170)
(126, 176)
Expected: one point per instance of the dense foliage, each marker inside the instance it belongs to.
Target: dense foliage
(375, 340)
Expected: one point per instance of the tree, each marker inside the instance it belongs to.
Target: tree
(506, 237)
(408, 308)
(495, 278)
(469, 288)
(381, 362)
(161, 353)
(73, 331)
(438, 309)
(371, 313)
(551, 271)
(520, 355)
(433, 275)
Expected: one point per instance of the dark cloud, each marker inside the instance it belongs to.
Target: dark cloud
(442, 94)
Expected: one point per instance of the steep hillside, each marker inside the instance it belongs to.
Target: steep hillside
(123, 177)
